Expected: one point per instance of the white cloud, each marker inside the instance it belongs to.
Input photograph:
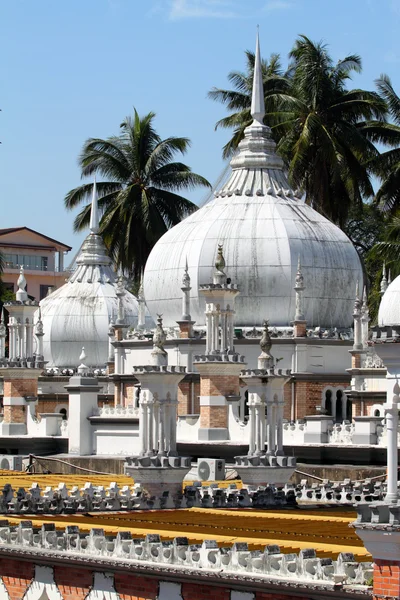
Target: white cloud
(195, 9)
(278, 5)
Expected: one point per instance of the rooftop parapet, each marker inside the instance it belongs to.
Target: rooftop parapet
(202, 560)
(158, 369)
(234, 358)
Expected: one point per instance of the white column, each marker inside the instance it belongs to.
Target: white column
(11, 349)
(61, 261)
(392, 423)
(230, 329)
(258, 429)
(143, 423)
(156, 416)
(252, 446)
(270, 430)
(150, 429)
(208, 333)
(279, 429)
(172, 445)
(161, 443)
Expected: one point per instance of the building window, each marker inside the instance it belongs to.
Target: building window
(328, 402)
(32, 262)
(44, 290)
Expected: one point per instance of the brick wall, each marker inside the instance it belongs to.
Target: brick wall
(219, 385)
(213, 416)
(73, 583)
(308, 395)
(386, 579)
(14, 414)
(16, 576)
(287, 397)
(76, 583)
(184, 398)
(14, 388)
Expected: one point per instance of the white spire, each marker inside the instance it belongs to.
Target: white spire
(94, 213)
(257, 98)
(384, 281)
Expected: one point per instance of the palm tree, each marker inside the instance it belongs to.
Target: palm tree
(139, 198)
(387, 166)
(238, 100)
(324, 130)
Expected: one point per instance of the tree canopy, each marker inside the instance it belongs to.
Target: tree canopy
(139, 198)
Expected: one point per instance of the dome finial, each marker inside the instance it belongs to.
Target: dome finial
(257, 97)
(94, 212)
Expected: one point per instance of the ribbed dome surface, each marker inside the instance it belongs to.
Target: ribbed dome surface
(79, 313)
(389, 309)
(264, 228)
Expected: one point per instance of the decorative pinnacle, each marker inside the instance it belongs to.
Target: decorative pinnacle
(384, 281)
(220, 261)
(186, 277)
(257, 98)
(357, 301)
(159, 355)
(82, 369)
(94, 212)
(265, 342)
(21, 294)
(299, 281)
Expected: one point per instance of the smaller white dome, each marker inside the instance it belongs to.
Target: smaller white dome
(389, 309)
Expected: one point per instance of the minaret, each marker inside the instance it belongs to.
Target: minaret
(364, 319)
(39, 338)
(358, 344)
(20, 323)
(220, 366)
(384, 281)
(299, 323)
(141, 324)
(186, 323)
(120, 326)
(3, 332)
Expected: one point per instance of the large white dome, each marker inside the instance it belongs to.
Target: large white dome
(264, 227)
(79, 313)
(389, 308)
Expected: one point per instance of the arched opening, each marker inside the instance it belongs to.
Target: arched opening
(63, 412)
(339, 406)
(328, 402)
(377, 412)
(349, 410)
(246, 405)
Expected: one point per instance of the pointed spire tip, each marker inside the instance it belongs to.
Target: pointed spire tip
(94, 211)
(257, 98)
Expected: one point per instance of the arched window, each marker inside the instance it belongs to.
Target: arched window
(328, 402)
(349, 410)
(63, 412)
(377, 413)
(339, 406)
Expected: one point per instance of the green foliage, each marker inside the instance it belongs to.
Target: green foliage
(323, 129)
(139, 198)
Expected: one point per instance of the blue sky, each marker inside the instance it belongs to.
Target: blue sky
(72, 69)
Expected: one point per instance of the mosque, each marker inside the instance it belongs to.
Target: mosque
(250, 332)
(282, 263)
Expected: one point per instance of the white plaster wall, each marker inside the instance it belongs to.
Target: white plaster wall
(43, 585)
(169, 591)
(311, 358)
(116, 439)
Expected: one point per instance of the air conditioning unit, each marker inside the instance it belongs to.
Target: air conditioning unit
(10, 462)
(211, 469)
